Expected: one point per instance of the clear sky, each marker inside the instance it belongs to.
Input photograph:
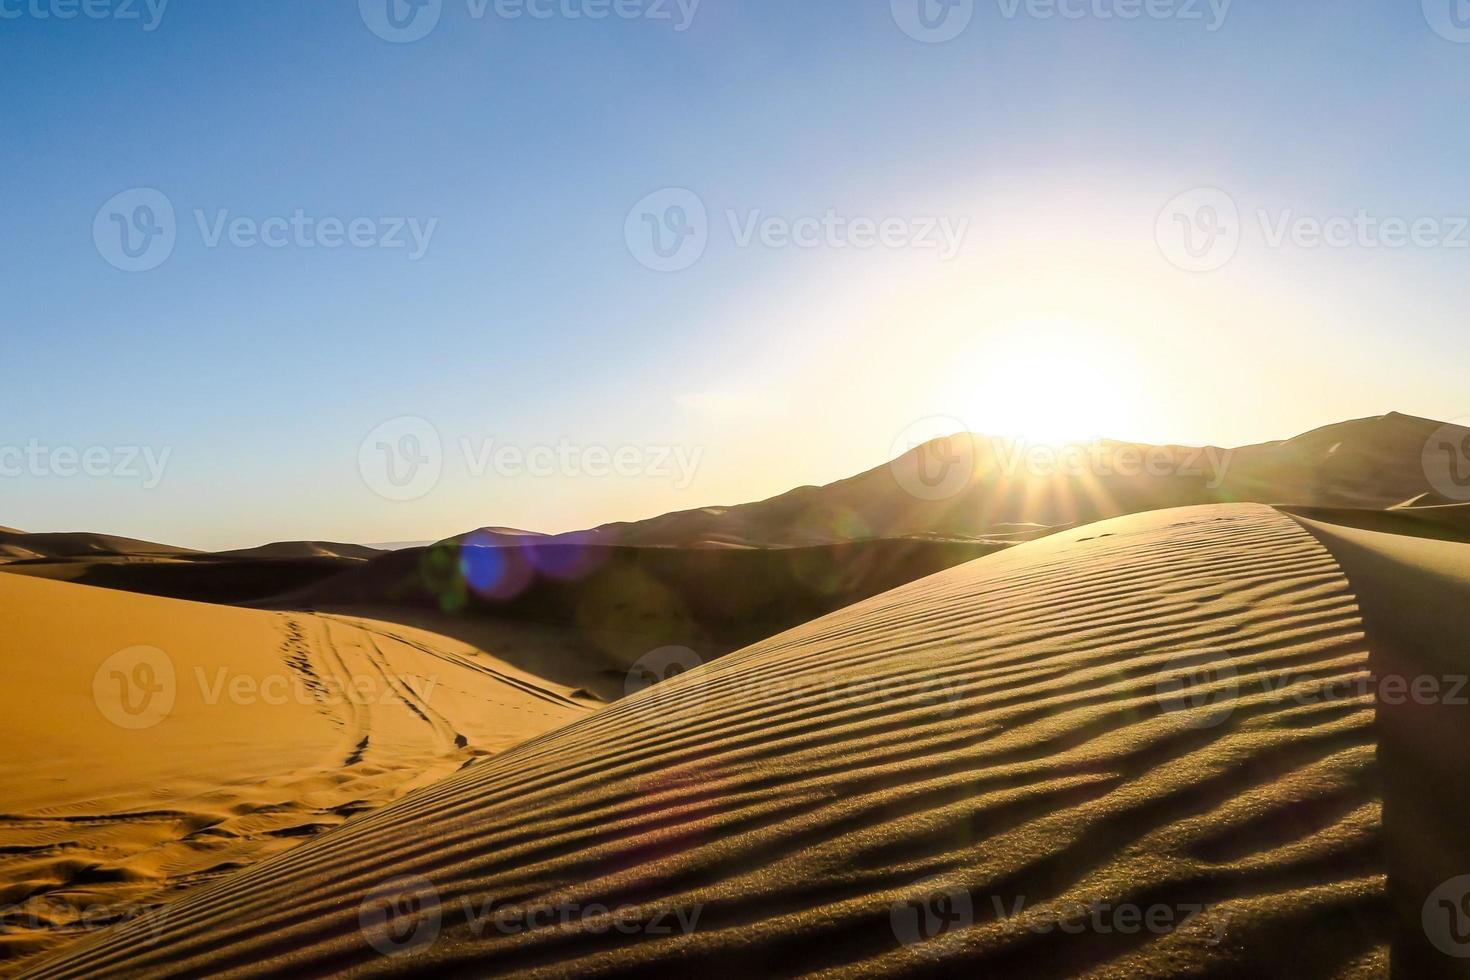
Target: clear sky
(999, 240)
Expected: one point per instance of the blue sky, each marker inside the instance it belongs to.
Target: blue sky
(529, 320)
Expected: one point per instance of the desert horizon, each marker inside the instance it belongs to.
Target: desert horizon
(1139, 628)
(697, 488)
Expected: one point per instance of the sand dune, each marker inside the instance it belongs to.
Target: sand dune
(153, 745)
(993, 490)
(232, 577)
(84, 545)
(203, 578)
(601, 608)
(1446, 522)
(1160, 713)
(1415, 596)
(305, 549)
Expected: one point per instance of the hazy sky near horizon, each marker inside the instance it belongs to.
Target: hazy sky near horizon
(690, 254)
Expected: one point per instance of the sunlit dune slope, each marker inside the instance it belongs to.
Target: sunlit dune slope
(151, 745)
(940, 779)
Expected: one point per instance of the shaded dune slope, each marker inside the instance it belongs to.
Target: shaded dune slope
(1416, 609)
(1132, 712)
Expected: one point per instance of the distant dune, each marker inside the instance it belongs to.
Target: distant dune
(943, 779)
(83, 545)
(1367, 463)
(153, 745)
(305, 549)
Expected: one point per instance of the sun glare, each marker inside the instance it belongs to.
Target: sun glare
(1047, 381)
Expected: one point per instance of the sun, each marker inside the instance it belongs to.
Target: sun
(1048, 381)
